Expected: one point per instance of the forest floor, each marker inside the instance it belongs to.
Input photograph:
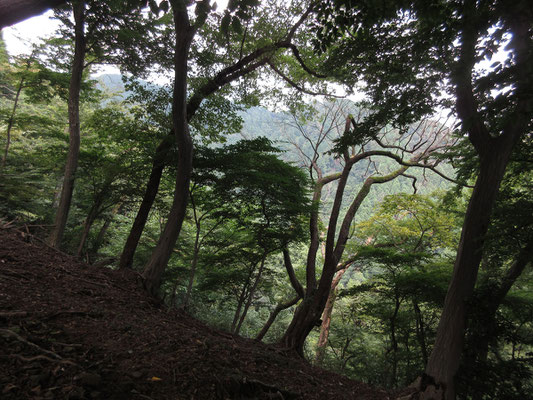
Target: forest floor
(72, 331)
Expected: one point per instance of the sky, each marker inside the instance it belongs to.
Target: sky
(19, 37)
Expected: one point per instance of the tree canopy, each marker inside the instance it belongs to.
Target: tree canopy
(389, 238)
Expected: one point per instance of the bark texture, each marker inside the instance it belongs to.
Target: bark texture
(326, 318)
(273, 315)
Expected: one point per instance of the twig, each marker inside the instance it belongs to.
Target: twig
(298, 87)
(143, 396)
(41, 357)
(68, 344)
(10, 333)
(50, 247)
(74, 312)
(11, 314)
(5, 225)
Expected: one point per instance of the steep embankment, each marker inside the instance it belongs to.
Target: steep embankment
(72, 331)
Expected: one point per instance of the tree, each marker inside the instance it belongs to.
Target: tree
(111, 164)
(74, 125)
(507, 254)
(94, 25)
(31, 114)
(493, 125)
(183, 111)
(266, 198)
(308, 313)
(30, 76)
(403, 257)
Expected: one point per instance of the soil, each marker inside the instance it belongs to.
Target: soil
(69, 330)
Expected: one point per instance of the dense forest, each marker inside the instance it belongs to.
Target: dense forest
(388, 239)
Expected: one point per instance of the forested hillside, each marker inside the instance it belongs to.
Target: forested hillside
(69, 345)
(388, 239)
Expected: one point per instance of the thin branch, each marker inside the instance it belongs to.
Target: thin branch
(298, 57)
(299, 23)
(414, 181)
(296, 86)
(10, 333)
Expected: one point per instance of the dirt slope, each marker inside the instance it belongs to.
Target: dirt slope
(72, 331)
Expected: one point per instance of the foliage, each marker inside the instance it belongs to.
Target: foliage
(251, 198)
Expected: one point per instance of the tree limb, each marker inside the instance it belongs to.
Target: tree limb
(290, 271)
(298, 87)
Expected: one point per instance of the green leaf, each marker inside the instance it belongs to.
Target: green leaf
(236, 25)
(153, 6)
(224, 24)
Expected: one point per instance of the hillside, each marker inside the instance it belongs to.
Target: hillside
(73, 331)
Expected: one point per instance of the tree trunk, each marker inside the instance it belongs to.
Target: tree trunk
(94, 212)
(326, 318)
(306, 317)
(196, 252)
(240, 302)
(155, 268)
(126, 258)
(74, 126)
(421, 333)
(479, 341)
(494, 155)
(394, 340)
(100, 237)
(103, 230)
(308, 314)
(244, 66)
(445, 357)
(87, 225)
(192, 274)
(12, 120)
(251, 294)
(274, 314)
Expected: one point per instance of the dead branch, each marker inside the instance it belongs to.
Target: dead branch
(41, 357)
(13, 314)
(10, 333)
